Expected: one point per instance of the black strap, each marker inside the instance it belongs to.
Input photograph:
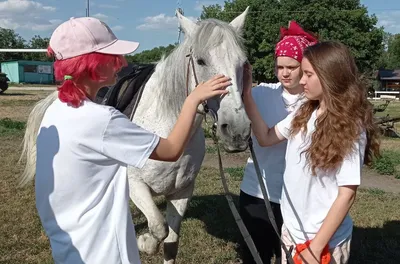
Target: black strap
(268, 205)
(243, 230)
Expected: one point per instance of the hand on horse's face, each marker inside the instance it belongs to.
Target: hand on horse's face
(215, 86)
(247, 79)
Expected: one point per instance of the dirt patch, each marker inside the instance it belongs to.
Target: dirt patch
(388, 183)
(228, 160)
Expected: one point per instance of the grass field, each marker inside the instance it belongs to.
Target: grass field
(209, 233)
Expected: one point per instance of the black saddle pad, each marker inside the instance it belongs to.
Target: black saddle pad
(126, 93)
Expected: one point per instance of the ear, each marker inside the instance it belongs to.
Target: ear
(238, 22)
(187, 25)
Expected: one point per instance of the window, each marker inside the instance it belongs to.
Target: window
(30, 68)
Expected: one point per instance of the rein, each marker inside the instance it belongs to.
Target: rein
(228, 195)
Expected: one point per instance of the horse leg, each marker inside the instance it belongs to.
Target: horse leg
(176, 208)
(158, 228)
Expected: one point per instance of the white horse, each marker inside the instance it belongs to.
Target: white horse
(216, 47)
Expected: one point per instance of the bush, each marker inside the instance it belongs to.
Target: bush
(387, 163)
(7, 123)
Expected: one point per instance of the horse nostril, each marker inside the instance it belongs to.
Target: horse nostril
(224, 128)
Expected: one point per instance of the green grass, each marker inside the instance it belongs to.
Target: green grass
(10, 127)
(393, 109)
(388, 163)
(7, 123)
(235, 173)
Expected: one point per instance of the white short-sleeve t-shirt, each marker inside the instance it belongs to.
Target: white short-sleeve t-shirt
(274, 104)
(306, 199)
(81, 182)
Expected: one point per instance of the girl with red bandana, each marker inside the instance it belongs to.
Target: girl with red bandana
(329, 138)
(274, 101)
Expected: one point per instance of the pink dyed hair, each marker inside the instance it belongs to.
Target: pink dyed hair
(84, 66)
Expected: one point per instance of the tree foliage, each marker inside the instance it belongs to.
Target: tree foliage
(392, 55)
(346, 20)
(9, 39)
(150, 56)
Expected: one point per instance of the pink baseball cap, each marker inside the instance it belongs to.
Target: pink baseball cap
(84, 35)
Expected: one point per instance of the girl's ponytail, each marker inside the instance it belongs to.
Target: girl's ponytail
(70, 93)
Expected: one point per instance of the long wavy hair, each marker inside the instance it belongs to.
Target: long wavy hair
(348, 112)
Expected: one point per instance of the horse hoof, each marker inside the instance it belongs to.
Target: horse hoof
(147, 243)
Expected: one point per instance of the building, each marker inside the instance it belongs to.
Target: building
(34, 72)
(389, 81)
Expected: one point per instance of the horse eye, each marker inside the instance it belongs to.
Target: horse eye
(201, 62)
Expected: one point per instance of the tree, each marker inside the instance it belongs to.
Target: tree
(260, 34)
(393, 52)
(37, 42)
(10, 40)
(150, 56)
(345, 20)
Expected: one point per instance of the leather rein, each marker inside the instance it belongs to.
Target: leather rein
(228, 195)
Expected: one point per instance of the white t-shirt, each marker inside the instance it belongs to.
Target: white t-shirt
(81, 182)
(306, 199)
(270, 99)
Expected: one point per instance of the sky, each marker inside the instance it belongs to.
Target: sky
(150, 22)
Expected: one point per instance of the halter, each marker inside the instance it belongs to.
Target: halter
(206, 110)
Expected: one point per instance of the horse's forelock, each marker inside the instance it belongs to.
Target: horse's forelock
(211, 33)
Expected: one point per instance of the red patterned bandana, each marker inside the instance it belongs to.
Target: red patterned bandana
(293, 42)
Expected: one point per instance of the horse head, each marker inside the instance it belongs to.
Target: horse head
(215, 47)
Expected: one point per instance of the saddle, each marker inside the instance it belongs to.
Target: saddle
(126, 93)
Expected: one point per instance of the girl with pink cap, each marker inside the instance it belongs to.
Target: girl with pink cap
(83, 148)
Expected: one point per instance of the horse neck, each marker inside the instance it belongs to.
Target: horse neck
(165, 92)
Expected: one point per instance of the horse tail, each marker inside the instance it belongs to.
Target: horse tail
(29, 142)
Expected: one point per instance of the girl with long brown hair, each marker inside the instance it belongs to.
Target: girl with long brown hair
(330, 137)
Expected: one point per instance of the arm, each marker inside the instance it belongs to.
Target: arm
(171, 148)
(348, 180)
(335, 217)
(265, 136)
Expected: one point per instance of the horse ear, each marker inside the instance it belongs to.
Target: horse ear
(238, 22)
(187, 25)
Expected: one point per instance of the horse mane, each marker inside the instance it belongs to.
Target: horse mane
(172, 69)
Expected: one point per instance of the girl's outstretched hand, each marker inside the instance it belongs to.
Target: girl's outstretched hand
(215, 86)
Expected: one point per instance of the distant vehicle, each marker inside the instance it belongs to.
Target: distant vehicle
(3, 82)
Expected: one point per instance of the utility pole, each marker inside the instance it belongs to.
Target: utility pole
(87, 8)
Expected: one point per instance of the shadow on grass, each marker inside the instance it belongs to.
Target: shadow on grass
(380, 245)
(369, 245)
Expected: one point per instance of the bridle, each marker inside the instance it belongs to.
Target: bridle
(206, 110)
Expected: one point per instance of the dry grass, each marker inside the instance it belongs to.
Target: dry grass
(209, 233)
(17, 105)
